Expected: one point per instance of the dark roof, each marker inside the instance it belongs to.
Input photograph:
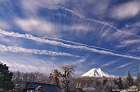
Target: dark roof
(46, 87)
(80, 90)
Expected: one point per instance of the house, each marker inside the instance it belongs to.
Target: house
(17, 88)
(133, 89)
(90, 89)
(40, 87)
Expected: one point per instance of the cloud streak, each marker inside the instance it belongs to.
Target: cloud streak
(124, 65)
(58, 43)
(133, 41)
(33, 51)
(108, 64)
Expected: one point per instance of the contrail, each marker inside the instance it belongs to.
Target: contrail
(58, 43)
(33, 51)
(81, 44)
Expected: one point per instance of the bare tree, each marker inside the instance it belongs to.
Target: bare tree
(54, 77)
(66, 75)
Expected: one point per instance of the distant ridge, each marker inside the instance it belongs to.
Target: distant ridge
(96, 72)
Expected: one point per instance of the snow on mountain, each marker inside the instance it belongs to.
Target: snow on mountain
(96, 72)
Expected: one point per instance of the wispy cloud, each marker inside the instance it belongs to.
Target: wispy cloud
(43, 27)
(56, 5)
(110, 26)
(130, 42)
(4, 25)
(121, 46)
(133, 41)
(126, 10)
(136, 49)
(78, 27)
(79, 61)
(109, 63)
(10, 41)
(17, 62)
(33, 51)
(4, 39)
(57, 43)
(31, 7)
(124, 65)
(34, 25)
(39, 25)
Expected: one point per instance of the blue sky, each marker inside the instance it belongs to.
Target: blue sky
(40, 35)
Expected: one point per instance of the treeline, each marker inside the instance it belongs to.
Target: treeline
(63, 78)
(22, 78)
(104, 84)
(89, 84)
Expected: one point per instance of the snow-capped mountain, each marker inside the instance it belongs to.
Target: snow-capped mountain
(96, 72)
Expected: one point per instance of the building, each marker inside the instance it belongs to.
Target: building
(79, 90)
(41, 87)
(17, 88)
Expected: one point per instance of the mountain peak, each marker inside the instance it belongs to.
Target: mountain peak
(96, 72)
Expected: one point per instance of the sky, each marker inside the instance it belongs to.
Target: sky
(41, 35)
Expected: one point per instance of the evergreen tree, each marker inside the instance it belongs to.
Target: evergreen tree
(129, 79)
(104, 82)
(5, 77)
(138, 81)
(120, 85)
